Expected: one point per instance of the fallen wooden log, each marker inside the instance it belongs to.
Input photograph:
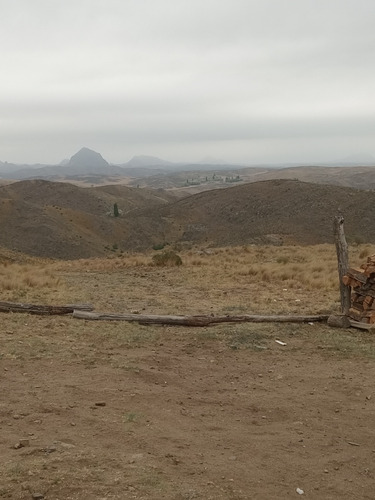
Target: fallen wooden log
(362, 326)
(155, 319)
(43, 309)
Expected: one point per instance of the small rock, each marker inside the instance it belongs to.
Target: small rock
(299, 491)
(22, 443)
(67, 446)
(37, 496)
(100, 403)
(50, 449)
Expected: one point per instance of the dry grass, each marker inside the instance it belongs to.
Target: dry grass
(249, 279)
(17, 280)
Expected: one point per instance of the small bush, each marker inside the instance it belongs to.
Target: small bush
(159, 246)
(168, 258)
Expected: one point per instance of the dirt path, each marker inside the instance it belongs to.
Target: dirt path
(114, 411)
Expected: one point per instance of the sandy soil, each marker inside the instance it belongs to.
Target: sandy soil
(116, 411)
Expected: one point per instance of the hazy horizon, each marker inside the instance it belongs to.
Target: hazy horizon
(243, 81)
(365, 159)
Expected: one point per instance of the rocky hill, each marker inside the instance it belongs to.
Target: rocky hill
(86, 157)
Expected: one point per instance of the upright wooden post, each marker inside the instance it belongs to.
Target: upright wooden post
(343, 261)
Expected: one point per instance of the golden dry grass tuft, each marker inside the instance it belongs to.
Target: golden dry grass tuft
(17, 279)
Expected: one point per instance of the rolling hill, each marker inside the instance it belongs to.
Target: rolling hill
(61, 220)
(276, 211)
(43, 218)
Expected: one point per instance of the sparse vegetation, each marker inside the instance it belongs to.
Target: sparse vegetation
(131, 417)
(165, 398)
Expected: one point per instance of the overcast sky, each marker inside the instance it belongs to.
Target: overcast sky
(248, 81)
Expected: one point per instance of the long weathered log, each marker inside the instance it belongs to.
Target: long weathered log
(154, 319)
(43, 309)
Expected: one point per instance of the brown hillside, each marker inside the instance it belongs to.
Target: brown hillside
(271, 211)
(60, 220)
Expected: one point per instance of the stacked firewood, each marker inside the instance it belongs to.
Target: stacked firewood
(362, 283)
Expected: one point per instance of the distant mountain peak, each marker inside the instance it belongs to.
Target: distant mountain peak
(86, 157)
(144, 160)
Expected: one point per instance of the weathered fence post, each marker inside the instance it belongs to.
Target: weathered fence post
(343, 261)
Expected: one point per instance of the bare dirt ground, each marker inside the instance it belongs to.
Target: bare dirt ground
(107, 410)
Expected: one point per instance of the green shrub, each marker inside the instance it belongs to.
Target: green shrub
(168, 258)
(159, 246)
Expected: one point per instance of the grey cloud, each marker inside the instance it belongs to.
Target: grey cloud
(200, 74)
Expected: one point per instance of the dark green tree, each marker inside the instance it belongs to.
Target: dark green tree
(116, 213)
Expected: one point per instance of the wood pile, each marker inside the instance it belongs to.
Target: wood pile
(362, 283)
